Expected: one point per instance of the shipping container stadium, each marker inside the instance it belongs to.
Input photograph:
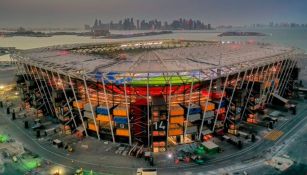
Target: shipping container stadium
(157, 93)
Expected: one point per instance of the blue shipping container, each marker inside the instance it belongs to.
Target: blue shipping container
(103, 111)
(223, 104)
(121, 120)
(195, 111)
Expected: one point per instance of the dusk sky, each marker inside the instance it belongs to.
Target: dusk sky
(76, 13)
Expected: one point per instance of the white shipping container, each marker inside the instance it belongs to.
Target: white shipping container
(87, 107)
(209, 114)
(194, 117)
(88, 114)
(191, 129)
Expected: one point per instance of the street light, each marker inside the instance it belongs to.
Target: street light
(57, 170)
(1, 87)
(169, 155)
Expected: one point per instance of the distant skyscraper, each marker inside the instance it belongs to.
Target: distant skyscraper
(138, 24)
(87, 27)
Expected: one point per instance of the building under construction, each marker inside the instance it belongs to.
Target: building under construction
(156, 93)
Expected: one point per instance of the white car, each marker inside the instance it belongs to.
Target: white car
(146, 171)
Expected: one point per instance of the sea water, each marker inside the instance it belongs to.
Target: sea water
(291, 37)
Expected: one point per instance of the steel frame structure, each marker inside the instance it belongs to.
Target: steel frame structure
(243, 71)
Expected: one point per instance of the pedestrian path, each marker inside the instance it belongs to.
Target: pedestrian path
(274, 135)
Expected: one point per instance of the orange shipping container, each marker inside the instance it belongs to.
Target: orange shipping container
(122, 132)
(175, 132)
(251, 120)
(276, 82)
(155, 119)
(266, 84)
(162, 133)
(66, 127)
(218, 94)
(232, 126)
(210, 106)
(176, 110)
(120, 112)
(156, 149)
(221, 110)
(103, 118)
(91, 126)
(155, 113)
(155, 133)
(178, 120)
(78, 104)
(252, 116)
(155, 144)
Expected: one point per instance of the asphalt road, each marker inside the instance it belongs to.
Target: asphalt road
(11, 128)
(252, 153)
(257, 150)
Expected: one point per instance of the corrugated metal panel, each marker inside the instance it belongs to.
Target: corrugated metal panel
(194, 117)
(191, 129)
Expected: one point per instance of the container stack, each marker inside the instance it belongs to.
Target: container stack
(176, 121)
(121, 121)
(39, 113)
(220, 110)
(252, 118)
(253, 103)
(233, 129)
(66, 129)
(193, 117)
(209, 108)
(103, 119)
(159, 123)
(235, 109)
(78, 104)
(63, 113)
(89, 115)
(27, 106)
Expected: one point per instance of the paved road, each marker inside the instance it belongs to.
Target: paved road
(254, 151)
(257, 151)
(10, 127)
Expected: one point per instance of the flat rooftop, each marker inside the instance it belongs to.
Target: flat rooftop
(153, 56)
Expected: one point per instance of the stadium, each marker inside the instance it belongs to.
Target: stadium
(156, 93)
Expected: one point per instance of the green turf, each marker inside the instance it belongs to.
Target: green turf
(27, 164)
(175, 80)
(31, 164)
(3, 138)
(90, 172)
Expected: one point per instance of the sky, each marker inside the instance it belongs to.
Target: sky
(76, 13)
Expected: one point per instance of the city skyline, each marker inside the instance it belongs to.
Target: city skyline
(34, 13)
(153, 24)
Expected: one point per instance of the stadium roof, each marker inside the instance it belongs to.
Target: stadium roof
(158, 56)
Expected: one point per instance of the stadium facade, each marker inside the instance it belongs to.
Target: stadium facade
(156, 93)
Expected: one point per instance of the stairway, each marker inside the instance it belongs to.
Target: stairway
(139, 121)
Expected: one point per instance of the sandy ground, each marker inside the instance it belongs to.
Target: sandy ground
(6, 77)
